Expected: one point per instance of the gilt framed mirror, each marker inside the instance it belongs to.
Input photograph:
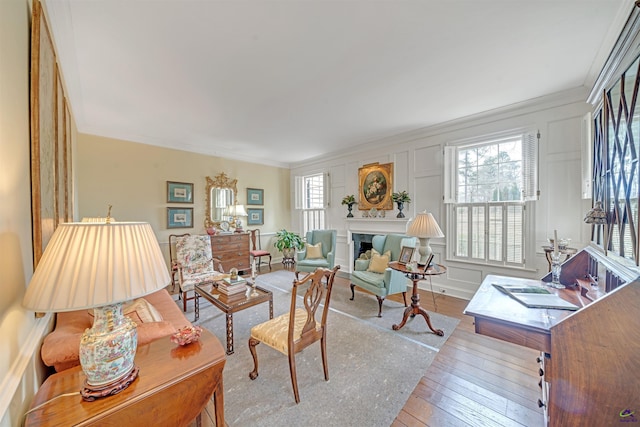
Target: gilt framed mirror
(221, 192)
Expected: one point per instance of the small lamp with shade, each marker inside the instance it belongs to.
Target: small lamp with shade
(424, 227)
(100, 266)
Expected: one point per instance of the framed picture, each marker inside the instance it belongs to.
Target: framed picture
(376, 186)
(255, 216)
(255, 196)
(179, 192)
(51, 174)
(405, 255)
(429, 261)
(179, 217)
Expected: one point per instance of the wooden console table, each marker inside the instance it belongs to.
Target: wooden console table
(174, 386)
(589, 358)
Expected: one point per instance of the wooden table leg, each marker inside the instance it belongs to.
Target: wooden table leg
(229, 333)
(218, 402)
(196, 306)
(415, 308)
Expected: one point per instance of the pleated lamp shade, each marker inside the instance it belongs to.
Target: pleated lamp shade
(425, 226)
(89, 265)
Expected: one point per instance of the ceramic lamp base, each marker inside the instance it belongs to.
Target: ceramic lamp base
(107, 349)
(91, 393)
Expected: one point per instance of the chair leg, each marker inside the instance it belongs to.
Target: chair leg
(404, 297)
(380, 299)
(323, 350)
(252, 348)
(294, 377)
(269, 262)
(353, 295)
(184, 301)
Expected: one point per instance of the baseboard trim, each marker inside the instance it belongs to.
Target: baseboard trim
(16, 375)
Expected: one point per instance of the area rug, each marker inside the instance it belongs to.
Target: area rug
(372, 369)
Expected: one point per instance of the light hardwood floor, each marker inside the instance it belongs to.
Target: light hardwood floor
(473, 381)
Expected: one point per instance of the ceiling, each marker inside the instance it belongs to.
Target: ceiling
(285, 81)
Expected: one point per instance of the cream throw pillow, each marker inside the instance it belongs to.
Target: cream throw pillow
(379, 263)
(314, 251)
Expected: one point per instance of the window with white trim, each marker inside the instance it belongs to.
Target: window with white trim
(488, 185)
(311, 199)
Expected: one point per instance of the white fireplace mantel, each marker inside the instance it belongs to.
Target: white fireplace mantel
(376, 226)
(373, 226)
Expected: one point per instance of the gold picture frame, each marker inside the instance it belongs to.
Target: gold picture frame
(376, 186)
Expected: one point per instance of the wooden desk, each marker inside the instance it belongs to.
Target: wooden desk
(499, 316)
(590, 358)
(174, 386)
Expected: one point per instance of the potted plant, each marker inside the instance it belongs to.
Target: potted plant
(349, 200)
(287, 242)
(401, 198)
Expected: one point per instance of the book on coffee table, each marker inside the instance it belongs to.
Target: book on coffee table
(536, 297)
(230, 287)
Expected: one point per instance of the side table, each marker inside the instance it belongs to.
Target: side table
(416, 276)
(174, 386)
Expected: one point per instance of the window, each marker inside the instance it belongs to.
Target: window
(488, 185)
(311, 200)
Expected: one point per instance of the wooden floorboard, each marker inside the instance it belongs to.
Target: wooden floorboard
(474, 381)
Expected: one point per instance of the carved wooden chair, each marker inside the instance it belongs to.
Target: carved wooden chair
(173, 260)
(256, 248)
(292, 332)
(195, 264)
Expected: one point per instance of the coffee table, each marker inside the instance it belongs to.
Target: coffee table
(230, 304)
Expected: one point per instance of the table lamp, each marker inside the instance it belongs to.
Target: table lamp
(100, 266)
(424, 227)
(235, 211)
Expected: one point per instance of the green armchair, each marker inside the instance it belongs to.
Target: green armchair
(375, 276)
(323, 256)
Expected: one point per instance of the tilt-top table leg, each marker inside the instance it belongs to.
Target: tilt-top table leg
(415, 308)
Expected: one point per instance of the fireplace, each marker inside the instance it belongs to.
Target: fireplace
(360, 232)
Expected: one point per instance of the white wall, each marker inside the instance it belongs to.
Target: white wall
(21, 370)
(418, 168)
(133, 178)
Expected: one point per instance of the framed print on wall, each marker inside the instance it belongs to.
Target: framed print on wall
(376, 186)
(255, 216)
(179, 217)
(255, 196)
(179, 192)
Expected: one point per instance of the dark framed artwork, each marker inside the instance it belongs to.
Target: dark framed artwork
(179, 217)
(405, 255)
(255, 216)
(255, 196)
(376, 186)
(179, 192)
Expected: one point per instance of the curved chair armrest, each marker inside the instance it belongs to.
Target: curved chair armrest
(331, 258)
(361, 264)
(301, 254)
(396, 281)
